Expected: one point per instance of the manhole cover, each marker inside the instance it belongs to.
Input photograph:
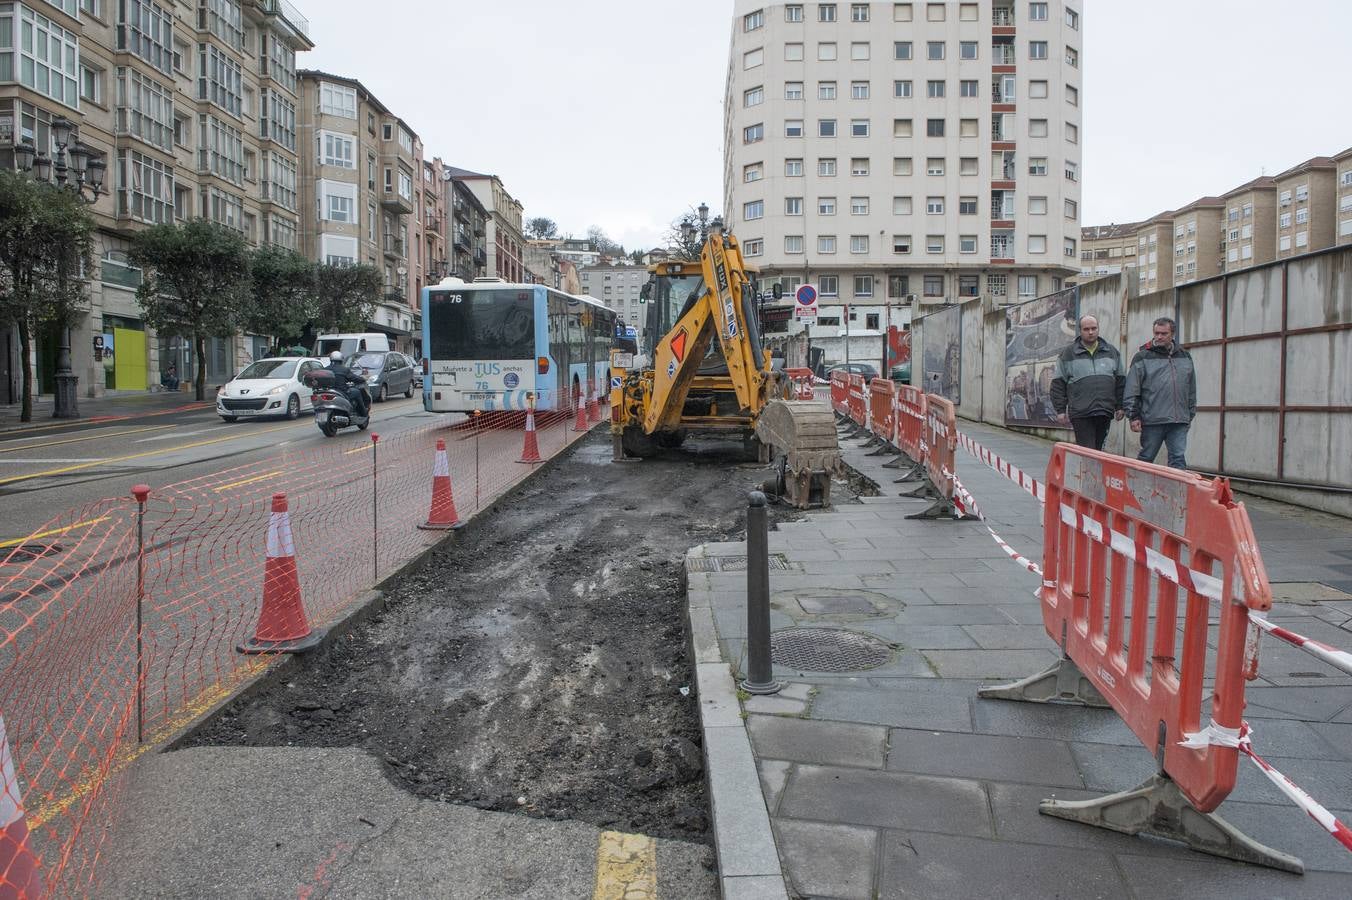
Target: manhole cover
(827, 650)
(732, 563)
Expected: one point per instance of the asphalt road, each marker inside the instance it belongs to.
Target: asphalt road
(48, 468)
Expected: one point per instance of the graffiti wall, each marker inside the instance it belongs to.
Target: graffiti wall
(943, 354)
(1035, 334)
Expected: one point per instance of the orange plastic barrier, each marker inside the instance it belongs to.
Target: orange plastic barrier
(882, 407)
(802, 383)
(940, 443)
(1123, 540)
(840, 392)
(857, 402)
(910, 417)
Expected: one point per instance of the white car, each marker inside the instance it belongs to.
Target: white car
(268, 387)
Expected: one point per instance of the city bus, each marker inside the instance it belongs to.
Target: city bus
(490, 345)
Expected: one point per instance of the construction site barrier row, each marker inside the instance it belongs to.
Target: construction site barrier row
(1140, 565)
(802, 381)
(123, 621)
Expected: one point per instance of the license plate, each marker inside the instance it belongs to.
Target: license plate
(480, 395)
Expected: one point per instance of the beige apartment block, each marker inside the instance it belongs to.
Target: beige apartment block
(1155, 253)
(193, 108)
(1198, 240)
(1344, 163)
(1250, 224)
(505, 241)
(435, 201)
(891, 152)
(1306, 211)
(361, 175)
(1107, 249)
(467, 229)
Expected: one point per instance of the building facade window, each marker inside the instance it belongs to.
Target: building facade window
(337, 201)
(223, 19)
(279, 184)
(220, 149)
(826, 243)
(901, 245)
(223, 208)
(48, 55)
(145, 109)
(863, 287)
(337, 100)
(858, 243)
(220, 79)
(277, 120)
(336, 150)
(752, 210)
(145, 188)
(281, 63)
(146, 29)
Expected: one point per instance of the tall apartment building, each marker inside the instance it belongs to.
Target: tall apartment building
(361, 175)
(193, 104)
(505, 239)
(467, 229)
(617, 287)
(890, 150)
(1198, 239)
(1250, 224)
(1155, 253)
(436, 261)
(1344, 163)
(1306, 217)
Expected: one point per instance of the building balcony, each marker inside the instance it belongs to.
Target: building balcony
(392, 201)
(298, 25)
(1003, 17)
(462, 240)
(394, 248)
(480, 257)
(1002, 55)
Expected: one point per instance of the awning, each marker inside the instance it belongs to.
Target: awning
(388, 329)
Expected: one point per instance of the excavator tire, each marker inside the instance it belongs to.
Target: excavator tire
(670, 440)
(636, 442)
(802, 437)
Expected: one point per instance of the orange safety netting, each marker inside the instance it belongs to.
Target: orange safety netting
(81, 696)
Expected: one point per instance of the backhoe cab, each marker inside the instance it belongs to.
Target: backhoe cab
(702, 367)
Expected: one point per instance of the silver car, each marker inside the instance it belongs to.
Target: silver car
(387, 372)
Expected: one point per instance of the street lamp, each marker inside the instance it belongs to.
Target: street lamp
(85, 170)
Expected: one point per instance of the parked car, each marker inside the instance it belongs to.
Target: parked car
(267, 387)
(417, 373)
(386, 372)
(869, 372)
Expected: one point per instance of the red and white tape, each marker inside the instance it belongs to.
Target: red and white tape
(1123, 545)
(1009, 470)
(1242, 740)
(966, 505)
(1339, 659)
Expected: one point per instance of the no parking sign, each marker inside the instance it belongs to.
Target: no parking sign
(805, 304)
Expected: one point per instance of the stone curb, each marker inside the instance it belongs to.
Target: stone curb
(748, 858)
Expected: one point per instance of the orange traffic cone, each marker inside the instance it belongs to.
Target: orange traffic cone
(581, 423)
(282, 626)
(593, 410)
(530, 450)
(20, 874)
(443, 516)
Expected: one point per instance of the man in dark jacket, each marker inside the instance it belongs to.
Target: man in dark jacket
(348, 382)
(1161, 394)
(1087, 389)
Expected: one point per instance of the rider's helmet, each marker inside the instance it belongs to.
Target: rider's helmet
(336, 356)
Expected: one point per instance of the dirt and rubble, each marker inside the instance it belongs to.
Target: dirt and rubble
(538, 662)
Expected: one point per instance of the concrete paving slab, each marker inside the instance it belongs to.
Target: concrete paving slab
(1015, 808)
(828, 860)
(982, 757)
(774, 774)
(823, 743)
(1066, 723)
(765, 887)
(917, 865)
(935, 637)
(1011, 637)
(949, 614)
(900, 708)
(1152, 878)
(886, 800)
(992, 664)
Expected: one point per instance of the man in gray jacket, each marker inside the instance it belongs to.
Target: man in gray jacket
(1087, 389)
(1161, 394)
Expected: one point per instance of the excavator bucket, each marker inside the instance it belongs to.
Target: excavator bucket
(801, 435)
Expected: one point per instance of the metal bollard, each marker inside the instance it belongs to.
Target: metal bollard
(142, 493)
(759, 669)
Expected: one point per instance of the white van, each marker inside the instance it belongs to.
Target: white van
(348, 344)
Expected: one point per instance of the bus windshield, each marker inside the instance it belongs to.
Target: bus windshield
(496, 324)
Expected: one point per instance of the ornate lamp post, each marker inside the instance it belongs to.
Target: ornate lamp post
(85, 170)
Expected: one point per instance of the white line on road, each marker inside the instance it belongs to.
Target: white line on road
(47, 459)
(172, 437)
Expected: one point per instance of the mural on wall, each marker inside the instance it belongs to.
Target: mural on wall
(898, 353)
(943, 354)
(1035, 334)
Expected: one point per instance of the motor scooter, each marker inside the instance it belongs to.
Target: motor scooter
(333, 410)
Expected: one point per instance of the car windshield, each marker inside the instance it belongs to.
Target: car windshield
(270, 368)
(368, 361)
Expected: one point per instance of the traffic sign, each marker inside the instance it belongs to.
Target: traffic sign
(806, 295)
(805, 304)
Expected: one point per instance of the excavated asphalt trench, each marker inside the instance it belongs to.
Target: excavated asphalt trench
(538, 663)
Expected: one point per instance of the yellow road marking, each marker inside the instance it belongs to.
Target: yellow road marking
(626, 867)
(235, 484)
(89, 437)
(43, 534)
(362, 449)
(94, 778)
(116, 459)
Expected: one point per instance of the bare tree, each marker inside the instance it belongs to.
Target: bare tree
(542, 229)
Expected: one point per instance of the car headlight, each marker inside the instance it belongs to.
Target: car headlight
(277, 390)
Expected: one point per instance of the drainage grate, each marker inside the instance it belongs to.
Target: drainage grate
(827, 650)
(732, 563)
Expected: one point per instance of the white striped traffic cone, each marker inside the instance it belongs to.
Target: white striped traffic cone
(530, 450)
(20, 874)
(443, 516)
(282, 625)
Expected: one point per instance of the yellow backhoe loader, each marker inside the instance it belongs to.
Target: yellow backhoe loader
(683, 380)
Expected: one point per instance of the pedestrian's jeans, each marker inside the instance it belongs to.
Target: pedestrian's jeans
(1174, 435)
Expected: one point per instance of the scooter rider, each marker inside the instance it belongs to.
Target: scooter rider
(351, 383)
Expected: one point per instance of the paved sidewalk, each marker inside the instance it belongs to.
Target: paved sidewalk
(113, 405)
(898, 781)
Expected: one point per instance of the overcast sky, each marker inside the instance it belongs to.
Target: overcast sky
(609, 112)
